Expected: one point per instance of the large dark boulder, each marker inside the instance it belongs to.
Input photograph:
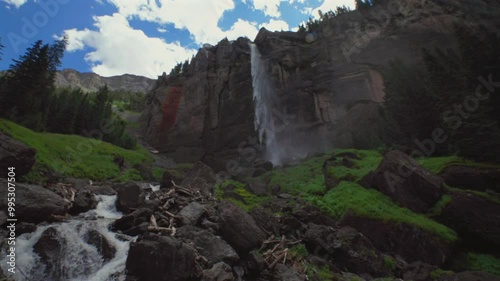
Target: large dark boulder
(470, 276)
(84, 201)
(161, 258)
(132, 220)
(408, 241)
(219, 272)
(129, 197)
(481, 179)
(239, 228)
(34, 203)
(201, 177)
(212, 247)
(103, 246)
(475, 218)
(50, 248)
(14, 153)
(192, 213)
(348, 248)
(401, 178)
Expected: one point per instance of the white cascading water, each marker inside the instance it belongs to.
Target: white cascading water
(266, 105)
(80, 261)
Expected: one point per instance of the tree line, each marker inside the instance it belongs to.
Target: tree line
(28, 97)
(455, 93)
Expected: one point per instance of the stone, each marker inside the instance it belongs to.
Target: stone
(200, 177)
(348, 248)
(213, 248)
(399, 238)
(84, 201)
(219, 272)
(25, 227)
(192, 213)
(419, 271)
(128, 197)
(475, 218)
(161, 258)
(103, 246)
(406, 182)
(481, 179)
(101, 189)
(14, 153)
(131, 220)
(284, 273)
(470, 276)
(34, 203)
(266, 220)
(49, 248)
(239, 229)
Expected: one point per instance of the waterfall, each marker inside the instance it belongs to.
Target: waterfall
(266, 107)
(79, 260)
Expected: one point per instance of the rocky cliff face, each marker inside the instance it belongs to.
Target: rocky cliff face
(329, 84)
(90, 82)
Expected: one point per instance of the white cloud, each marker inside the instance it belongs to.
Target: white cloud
(276, 25)
(269, 7)
(200, 18)
(16, 3)
(332, 5)
(161, 30)
(114, 54)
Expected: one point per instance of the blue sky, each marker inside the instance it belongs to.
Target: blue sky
(142, 37)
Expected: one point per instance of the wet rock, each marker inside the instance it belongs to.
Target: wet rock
(475, 218)
(219, 272)
(480, 179)
(14, 153)
(258, 188)
(131, 220)
(406, 182)
(166, 180)
(419, 271)
(128, 197)
(145, 171)
(348, 248)
(213, 248)
(266, 220)
(403, 239)
(50, 248)
(239, 228)
(34, 203)
(192, 213)
(25, 227)
(101, 189)
(96, 239)
(200, 177)
(161, 258)
(255, 263)
(84, 201)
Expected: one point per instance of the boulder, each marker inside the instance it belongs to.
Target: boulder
(201, 177)
(475, 218)
(131, 220)
(161, 258)
(266, 220)
(25, 227)
(408, 241)
(192, 213)
(14, 153)
(129, 197)
(406, 182)
(49, 248)
(101, 189)
(213, 248)
(481, 179)
(103, 246)
(84, 201)
(239, 228)
(419, 271)
(284, 273)
(219, 272)
(34, 203)
(348, 248)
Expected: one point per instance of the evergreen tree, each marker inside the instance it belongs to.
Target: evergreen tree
(362, 4)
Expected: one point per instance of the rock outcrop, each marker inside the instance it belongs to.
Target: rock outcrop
(329, 83)
(13, 153)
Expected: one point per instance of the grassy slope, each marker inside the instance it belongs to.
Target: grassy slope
(76, 156)
(307, 180)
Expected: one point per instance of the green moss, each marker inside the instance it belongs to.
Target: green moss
(482, 262)
(76, 156)
(299, 251)
(318, 273)
(438, 208)
(389, 263)
(158, 173)
(438, 164)
(373, 204)
(248, 200)
(369, 161)
(437, 273)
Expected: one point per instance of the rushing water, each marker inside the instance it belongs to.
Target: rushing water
(266, 107)
(79, 261)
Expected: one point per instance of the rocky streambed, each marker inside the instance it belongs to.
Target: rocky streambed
(178, 231)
